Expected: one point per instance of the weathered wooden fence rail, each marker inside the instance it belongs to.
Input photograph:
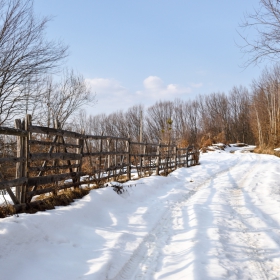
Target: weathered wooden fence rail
(47, 160)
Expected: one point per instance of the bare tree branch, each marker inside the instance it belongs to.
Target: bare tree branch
(265, 23)
(24, 54)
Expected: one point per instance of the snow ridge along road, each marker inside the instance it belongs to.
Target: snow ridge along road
(218, 220)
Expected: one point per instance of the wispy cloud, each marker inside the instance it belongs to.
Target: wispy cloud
(106, 86)
(113, 96)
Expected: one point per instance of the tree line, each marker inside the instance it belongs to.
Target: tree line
(241, 115)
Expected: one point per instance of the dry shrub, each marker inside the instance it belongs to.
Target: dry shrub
(64, 198)
(87, 166)
(47, 202)
(203, 150)
(205, 141)
(220, 138)
(182, 143)
(265, 150)
(6, 211)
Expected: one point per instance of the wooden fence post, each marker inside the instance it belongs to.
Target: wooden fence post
(108, 156)
(19, 165)
(115, 159)
(79, 151)
(144, 159)
(187, 156)
(100, 158)
(128, 168)
(26, 152)
(158, 159)
(175, 156)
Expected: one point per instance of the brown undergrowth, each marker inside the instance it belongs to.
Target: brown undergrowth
(47, 202)
(6, 211)
(266, 150)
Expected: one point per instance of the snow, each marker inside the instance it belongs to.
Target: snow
(217, 220)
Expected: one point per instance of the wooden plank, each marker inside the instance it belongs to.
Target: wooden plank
(66, 133)
(55, 144)
(51, 189)
(143, 144)
(166, 145)
(47, 168)
(98, 137)
(144, 155)
(69, 185)
(33, 181)
(104, 153)
(12, 183)
(53, 131)
(48, 156)
(12, 131)
(13, 197)
(12, 159)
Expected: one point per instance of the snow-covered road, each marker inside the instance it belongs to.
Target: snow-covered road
(218, 220)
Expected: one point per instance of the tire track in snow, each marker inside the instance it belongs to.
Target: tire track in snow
(237, 202)
(143, 261)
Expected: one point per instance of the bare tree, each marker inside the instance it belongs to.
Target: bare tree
(265, 23)
(63, 99)
(24, 54)
(266, 104)
(186, 122)
(134, 116)
(159, 121)
(240, 107)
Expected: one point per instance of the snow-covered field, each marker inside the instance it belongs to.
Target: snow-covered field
(218, 220)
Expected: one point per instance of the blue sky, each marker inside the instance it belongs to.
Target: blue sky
(141, 51)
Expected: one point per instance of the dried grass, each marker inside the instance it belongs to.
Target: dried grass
(45, 202)
(7, 210)
(265, 150)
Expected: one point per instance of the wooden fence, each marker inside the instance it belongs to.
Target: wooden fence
(40, 160)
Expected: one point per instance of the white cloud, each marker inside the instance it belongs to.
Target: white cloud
(155, 88)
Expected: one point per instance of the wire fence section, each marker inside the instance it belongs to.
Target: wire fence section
(38, 160)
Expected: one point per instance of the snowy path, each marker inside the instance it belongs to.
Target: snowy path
(219, 220)
(213, 232)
